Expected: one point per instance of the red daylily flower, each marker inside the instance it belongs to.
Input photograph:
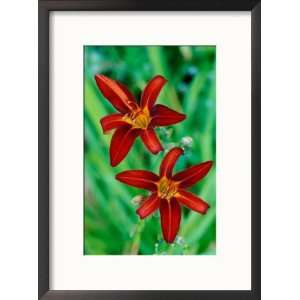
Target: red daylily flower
(168, 191)
(134, 119)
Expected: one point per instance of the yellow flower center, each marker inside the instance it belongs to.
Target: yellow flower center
(138, 119)
(167, 188)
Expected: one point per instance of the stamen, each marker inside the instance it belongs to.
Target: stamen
(138, 119)
(167, 188)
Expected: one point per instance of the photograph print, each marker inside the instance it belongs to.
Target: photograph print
(150, 150)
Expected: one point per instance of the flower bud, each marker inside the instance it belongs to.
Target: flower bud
(187, 141)
(138, 200)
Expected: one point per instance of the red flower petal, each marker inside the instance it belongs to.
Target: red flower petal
(149, 206)
(164, 116)
(170, 216)
(168, 163)
(139, 178)
(193, 174)
(127, 92)
(191, 201)
(121, 143)
(116, 93)
(151, 91)
(111, 122)
(151, 141)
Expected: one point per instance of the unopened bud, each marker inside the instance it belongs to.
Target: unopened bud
(138, 200)
(187, 141)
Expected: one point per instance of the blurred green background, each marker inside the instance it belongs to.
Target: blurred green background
(111, 225)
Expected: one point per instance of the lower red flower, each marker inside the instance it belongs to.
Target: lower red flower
(168, 191)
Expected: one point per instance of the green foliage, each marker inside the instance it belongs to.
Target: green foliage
(111, 225)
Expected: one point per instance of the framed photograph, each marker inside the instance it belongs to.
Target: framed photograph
(149, 150)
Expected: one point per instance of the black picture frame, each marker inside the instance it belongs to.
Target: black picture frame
(45, 7)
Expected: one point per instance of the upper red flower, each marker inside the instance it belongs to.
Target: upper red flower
(168, 191)
(134, 119)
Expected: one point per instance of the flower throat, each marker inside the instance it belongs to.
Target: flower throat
(138, 119)
(167, 188)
